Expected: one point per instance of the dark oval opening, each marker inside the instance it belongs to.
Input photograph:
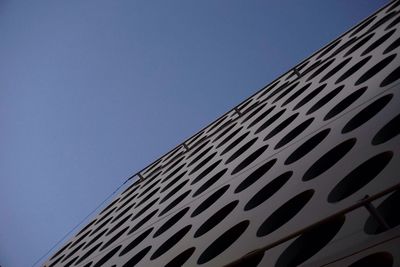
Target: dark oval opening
(284, 93)
(277, 90)
(136, 242)
(73, 252)
(219, 136)
(79, 239)
(381, 259)
(71, 262)
(391, 78)
(206, 172)
(270, 121)
(87, 254)
(388, 209)
(143, 221)
(250, 159)
(234, 143)
(344, 46)
(118, 225)
(216, 218)
(329, 48)
(223, 242)
(106, 257)
(128, 201)
(382, 21)
(109, 206)
(174, 181)
(359, 44)
(260, 117)
(389, 131)
(294, 133)
(229, 137)
(309, 243)
(363, 25)
(367, 113)
(204, 162)
(194, 152)
(252, 114)
(360, 176)
(241, 150)
(210, 182)
(174, 203)
(378, 42)
(268, 89)
(115, 237)
(392, 46)
(174, 191)
(137, 258)
(335, 70)
(310, 96)
(285, 213)
(198, 157)
(210, 200)
(323, 101)
(171, 222)
(170, 242)
(329, 159)
(86, 227)
(61, 251)
(296, 94)
(345, 103)
(353, 69)
(101, 226)
(251, 259)
(94, 239)
(144, 209)
(320, 69)
(281, 126)
(173, 172)
(148, 189)
(375, 69)
(181, 258)
(149, 195)
(254, 176)
(268, 190)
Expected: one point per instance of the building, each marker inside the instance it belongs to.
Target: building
(303, 172)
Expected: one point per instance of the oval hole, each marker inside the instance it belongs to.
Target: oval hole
(223, 242)
(294, 133)
(210, 200)
(285, 213)
(389, 131)
(381, 259)
(367, 113)
(309, 243)
(329, 159)
(170, 242)
(136, 242)
(360, 177)
(268, 190)
(345, 103)
(254, 176)
(375, 69)
(216, 218)
(181, 258)
(171, 222)
(137, 258)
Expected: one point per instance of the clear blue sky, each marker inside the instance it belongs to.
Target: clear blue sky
(92, 91)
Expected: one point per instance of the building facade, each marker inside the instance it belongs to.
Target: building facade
(304, 172)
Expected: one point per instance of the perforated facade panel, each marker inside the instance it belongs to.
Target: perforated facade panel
(306, 171)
